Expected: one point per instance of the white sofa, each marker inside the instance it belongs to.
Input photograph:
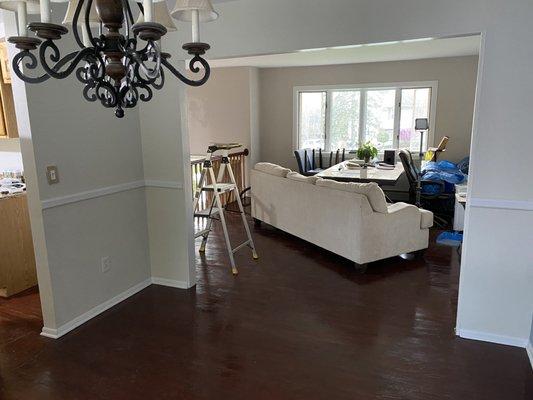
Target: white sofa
(349, 219)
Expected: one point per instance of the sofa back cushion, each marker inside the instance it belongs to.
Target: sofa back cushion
(295, 176)
(372, 191)
(272, 169)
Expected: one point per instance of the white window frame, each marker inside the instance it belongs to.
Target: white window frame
(364, 88)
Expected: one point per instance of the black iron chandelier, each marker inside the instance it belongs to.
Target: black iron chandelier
(121, 65)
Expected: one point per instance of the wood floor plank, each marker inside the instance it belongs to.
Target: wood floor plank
(299, 323)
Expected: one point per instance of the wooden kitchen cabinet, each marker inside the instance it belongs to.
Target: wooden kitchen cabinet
(8, 119)
(17, 258)
(4, 63)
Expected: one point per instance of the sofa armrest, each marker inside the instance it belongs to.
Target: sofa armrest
(397, 232)
(402, 208)
(407, 211)
(403, 216)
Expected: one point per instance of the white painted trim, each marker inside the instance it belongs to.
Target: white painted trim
(389, 85)
(489, 337)
(106, 191)
(170, 283)
(163, 184)
(529, 349)
(501, 204)
(91, 194)
(93, 312)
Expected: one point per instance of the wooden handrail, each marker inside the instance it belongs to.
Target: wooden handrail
(245, 153)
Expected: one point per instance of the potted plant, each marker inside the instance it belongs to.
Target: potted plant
(367, 152)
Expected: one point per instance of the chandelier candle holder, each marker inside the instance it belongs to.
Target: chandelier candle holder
(121, 65)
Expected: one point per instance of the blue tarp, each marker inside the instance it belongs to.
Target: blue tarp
(450, 239)
(441, 171)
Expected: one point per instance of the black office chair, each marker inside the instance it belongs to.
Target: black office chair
(440, 203)
(306, 162)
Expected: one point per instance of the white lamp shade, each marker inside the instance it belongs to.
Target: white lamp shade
(94, 19)
(184, 8)
(161, 16)
(32, 7)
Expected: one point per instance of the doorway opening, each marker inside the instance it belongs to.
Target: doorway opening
(333, 100)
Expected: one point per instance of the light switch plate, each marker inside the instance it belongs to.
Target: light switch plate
(52, 174)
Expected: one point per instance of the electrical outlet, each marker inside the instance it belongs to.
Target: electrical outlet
(52, 174)
(106, 264)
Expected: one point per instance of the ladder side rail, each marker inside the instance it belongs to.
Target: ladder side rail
(223, 219)
(243, 215)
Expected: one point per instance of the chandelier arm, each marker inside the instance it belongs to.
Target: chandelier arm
(150, 73)
(107, 89)
(55, 56)
(132, 102)
(159, 86)
(193, 68)
(144, 96)
(75, 24)
(129, 15)
(87, 24)
(90, 86)
(153, 81)
(18, 59)
(92, 71)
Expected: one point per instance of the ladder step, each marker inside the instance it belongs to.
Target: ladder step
(241, 246)
(201, 233)
(205, 213)
(222, 187)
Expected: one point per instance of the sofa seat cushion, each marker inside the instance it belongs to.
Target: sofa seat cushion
(295, 176)
(372, 191)
(272, 169)
(426, 219)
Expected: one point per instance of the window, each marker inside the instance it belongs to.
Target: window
(414, 104)
(379, 118)
(344, 120)
(344, 117)
(312, 119)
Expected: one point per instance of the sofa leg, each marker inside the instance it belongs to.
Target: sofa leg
(360, 268)
(419, 255)
(257, 223)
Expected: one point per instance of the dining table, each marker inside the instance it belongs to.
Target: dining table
(383, 177)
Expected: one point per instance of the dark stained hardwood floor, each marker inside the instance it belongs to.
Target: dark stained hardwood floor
(298, 324)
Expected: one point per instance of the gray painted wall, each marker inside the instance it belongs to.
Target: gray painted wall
(455, 99)
(93, 150)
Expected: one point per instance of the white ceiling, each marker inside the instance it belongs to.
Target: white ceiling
(391, 51)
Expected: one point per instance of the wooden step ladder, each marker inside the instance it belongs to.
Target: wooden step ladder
(218, 188)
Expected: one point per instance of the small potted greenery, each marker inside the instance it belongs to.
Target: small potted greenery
(367, 152)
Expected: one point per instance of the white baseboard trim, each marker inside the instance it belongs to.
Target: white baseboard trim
(73, 324)
(502, 204)
(170, 283)
(529, 349)
(91, 194)
(489, 337)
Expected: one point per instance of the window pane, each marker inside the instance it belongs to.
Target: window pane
(312, 120)
(415, 104)
(379, 127)
(344, 120)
